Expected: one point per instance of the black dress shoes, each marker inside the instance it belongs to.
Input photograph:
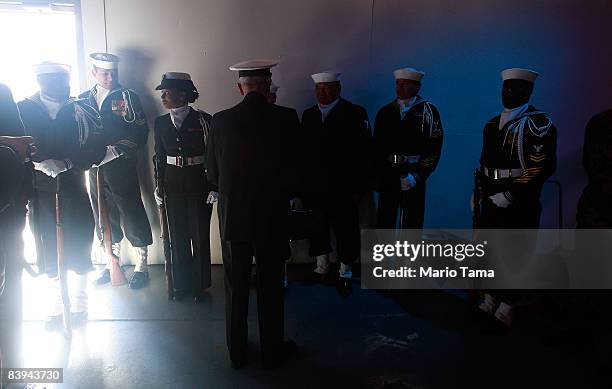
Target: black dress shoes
(138, 280)
(316, 278)
(103, 278)
(178, 295)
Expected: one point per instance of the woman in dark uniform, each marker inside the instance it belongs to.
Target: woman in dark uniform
(180, 147)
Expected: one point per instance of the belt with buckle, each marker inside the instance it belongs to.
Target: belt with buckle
(498, 174)
(398, 159)
(185, 161)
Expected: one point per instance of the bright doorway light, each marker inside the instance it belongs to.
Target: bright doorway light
(30, 36)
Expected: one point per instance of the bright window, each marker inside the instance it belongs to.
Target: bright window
(30, 35)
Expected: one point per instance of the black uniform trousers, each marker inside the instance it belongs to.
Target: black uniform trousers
(124, 202)
(411, 204)
(340, 216)
(12, 224)
(78, 223)
(189, 228)
(237, 260)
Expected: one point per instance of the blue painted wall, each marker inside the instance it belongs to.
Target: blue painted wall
(462, 46)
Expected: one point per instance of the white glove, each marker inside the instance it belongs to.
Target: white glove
(500, 200)
(112, 153)
(408, 182)
(51, 167)
(158, 198)
(212, 197)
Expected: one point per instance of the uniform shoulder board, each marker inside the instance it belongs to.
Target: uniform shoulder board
(539, 123)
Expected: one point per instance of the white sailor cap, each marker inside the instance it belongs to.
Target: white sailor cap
(273, 88)
(408, 74)
(326, 76)
(254, 67)
(104, 60)
(49, 67)
(519, 74)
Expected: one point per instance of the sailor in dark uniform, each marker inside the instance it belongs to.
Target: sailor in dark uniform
(63, 129)
(595, 204)
(336, 136)
(252, 160)
(15, 174)
(14, 154)
(125, 127)
(408, 140)
(180, 149)
(519, 153)
(13, 219)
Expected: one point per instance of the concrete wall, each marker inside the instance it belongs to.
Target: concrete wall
(461, 45)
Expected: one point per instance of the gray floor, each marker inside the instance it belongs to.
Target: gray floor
(138, 339)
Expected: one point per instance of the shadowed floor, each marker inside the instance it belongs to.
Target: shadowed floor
(408, 339)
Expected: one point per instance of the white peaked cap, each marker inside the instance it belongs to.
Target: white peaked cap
(519, 74)
(49, 67)
(254, 67)
(408, 74)
(326, 77)
(104, 60)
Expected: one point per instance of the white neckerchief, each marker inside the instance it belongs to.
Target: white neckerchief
(510, 114)
(101, 95)
(405, 105)
(51, 105)
(325, 109)
(178, 115)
